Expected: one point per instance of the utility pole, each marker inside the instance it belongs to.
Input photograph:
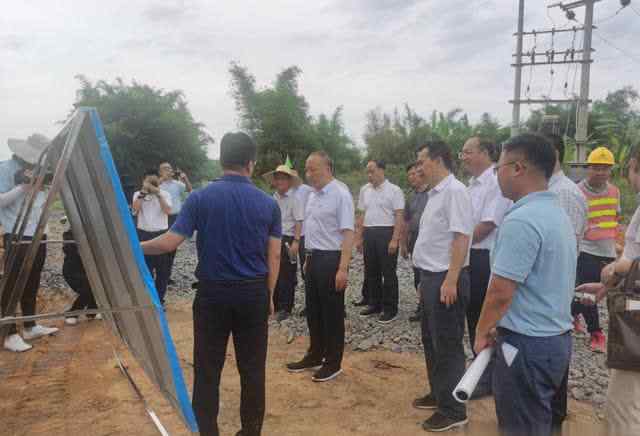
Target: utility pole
(515, 121)
(583, 104)
(570, 56)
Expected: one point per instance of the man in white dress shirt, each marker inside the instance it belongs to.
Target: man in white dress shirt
(489, 207)
(381, 206)
(329, 224)
(574, 203)
(442, 255)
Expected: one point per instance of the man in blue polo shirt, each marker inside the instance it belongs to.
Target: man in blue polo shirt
(239, 231)
(530, 292)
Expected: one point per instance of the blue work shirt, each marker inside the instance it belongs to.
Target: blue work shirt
(536, 248)
(234, 220)
(9, 212)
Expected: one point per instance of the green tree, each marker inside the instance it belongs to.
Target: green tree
(146, 126)
(278, 119)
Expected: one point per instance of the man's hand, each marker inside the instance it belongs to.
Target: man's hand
(597, 289)
(393, 247)
(342, 277)
(484, 340)
(607, 273)
(448, 293)
(294, 248)
(272, 309)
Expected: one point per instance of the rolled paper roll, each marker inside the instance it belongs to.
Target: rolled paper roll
(471, 377)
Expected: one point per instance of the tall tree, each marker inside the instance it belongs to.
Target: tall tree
(278, 119)
(146, 126)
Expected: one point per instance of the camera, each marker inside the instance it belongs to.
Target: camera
(20, 178)
(177, 174)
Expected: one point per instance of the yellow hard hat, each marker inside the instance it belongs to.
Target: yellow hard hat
(601, 156)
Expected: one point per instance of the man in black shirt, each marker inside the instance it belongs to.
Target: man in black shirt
(412, 214)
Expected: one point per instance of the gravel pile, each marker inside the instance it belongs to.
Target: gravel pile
(588, 373)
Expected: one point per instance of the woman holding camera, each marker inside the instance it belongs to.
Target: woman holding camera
(152, 206)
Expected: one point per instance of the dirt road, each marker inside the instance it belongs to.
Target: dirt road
(69, 385)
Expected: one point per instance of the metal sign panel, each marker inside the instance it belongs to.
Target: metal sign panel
(106, 236)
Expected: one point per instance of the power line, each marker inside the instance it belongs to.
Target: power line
(632, 56)
(634, 10)
(611, 16)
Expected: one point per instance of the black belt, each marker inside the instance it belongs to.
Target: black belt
(255, 281)
(311, 252)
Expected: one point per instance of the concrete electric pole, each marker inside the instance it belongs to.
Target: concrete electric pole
(585, 60)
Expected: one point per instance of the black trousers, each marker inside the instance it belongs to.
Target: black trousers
(172, 255)
(589, 269)
(442, 336)
(28, 300)
(159, 265)
(284, 293)
(221, 309)
(381, 268)
(479, 274)
(325, 308)
(80, 285)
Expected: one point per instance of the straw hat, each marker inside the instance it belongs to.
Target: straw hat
(283, 169)
(30, 149)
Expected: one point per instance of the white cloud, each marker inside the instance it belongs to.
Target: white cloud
(360, 54)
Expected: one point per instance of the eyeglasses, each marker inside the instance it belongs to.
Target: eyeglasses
(497, 167)
(464, 153)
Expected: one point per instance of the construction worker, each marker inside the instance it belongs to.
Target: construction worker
(623, 393)
(284, 179)
(598, 246)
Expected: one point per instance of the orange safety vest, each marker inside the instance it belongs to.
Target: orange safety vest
(602, 213)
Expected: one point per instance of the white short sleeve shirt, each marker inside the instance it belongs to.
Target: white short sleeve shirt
(489, 206)
(449, 210)
(380, 203)
(151, 217)
(329, 211)
(291, 211)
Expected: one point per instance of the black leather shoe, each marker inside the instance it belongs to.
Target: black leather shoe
(370, 310)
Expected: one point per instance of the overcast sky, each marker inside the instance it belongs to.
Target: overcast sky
(361, 54)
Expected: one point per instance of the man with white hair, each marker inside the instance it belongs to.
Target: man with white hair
(15, 184)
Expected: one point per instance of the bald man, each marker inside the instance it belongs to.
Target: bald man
(329, 226)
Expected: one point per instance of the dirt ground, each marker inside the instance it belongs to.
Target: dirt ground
(69, 385)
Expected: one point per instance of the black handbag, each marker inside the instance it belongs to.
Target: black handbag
(623, 302)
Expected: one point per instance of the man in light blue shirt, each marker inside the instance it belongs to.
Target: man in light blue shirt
(176, 183)
(530, 292)
(15, 180)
